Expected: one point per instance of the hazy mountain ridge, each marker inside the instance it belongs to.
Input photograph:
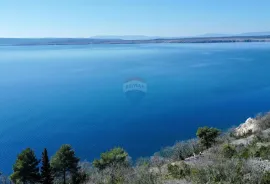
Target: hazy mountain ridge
(139, 39)
(230, 35)
(143, 37)
(125, 37)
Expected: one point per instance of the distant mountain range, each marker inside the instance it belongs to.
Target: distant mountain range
(143, 37)
(135, 37)
(229, 35)
(125, 37)
(140, 39)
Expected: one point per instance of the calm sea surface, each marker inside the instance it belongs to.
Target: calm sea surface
(51, 95)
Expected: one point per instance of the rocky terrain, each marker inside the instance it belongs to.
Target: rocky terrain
(248, 135)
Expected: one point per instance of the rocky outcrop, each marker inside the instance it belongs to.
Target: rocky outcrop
(249, 127)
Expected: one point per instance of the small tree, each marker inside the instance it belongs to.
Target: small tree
(114, 162)
(46, 173)
(116, 156)
(26, 170)
(65, 162)
(207, 136)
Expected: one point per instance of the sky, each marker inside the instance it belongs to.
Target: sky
(86, 18)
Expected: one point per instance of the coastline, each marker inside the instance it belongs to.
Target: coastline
(211, 157)
(89, 41)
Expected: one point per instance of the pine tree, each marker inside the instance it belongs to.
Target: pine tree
(65, 162)
(115, 156)
(26, 169)
(207, 136)
(46, 173)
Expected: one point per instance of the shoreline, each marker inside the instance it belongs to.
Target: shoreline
(90, 41)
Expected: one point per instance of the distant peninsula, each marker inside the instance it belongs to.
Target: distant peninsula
(93, 40)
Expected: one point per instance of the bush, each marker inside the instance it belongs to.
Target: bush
(117, 174)
(123, 175)
(255, 150)
(166, 152)
(263, 152)
(141, 175)
(228, 151)
(227, 171)
(179, 171)
(223, 171)
(181, 150)
(157, 161)
(266, 178)
(244, 154)
(249, 151)
(224, 138)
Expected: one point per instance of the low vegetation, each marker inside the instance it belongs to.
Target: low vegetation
(212, 158)
(179, 171)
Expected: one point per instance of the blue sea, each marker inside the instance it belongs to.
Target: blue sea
(53, 95)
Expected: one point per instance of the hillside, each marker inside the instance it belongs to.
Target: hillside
(240, 155)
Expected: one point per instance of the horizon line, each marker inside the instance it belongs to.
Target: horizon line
(267, 33)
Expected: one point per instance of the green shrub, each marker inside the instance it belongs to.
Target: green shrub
(263, 152)
(245, 154)
(266, 178)
(141, 175)
(222, 171)
(179, 171)
(249, 151)
(180, 150)
(255, 150)
(228, 151)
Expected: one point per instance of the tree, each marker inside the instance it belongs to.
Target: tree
(46, 173)
(116, 156)
(207, 136)
(115, 162)
(65, 162)
(26, 170)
